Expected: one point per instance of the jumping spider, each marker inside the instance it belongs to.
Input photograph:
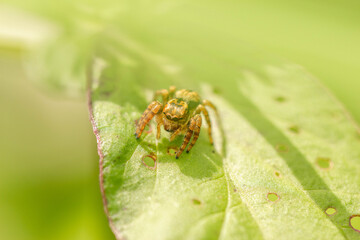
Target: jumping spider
(179, 115)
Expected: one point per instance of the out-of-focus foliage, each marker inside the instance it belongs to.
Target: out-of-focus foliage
(49, 174)
(48, 177)
(323, 36)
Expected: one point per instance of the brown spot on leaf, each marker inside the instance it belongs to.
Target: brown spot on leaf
(149, 161)
(324, 163)
(172, 150)
(330, 211)
(196, 201)
(282, 148)
(273, 197)
(277, 174)
(106, 93)
(217, 90)
(148, 129)
(354, 222)
(294, 129)
(280, 99)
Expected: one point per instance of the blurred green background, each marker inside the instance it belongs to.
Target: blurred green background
(49, 164)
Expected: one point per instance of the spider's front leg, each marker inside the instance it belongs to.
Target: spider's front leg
(153, 109)
(194, 127)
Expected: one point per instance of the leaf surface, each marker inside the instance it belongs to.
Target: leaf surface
(286, 150)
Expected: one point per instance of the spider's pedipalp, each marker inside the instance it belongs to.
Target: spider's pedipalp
(154, 108)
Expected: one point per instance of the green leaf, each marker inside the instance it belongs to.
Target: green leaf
(286, 150)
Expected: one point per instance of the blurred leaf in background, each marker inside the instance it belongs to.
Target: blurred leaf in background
(50, 181)
(49, 165)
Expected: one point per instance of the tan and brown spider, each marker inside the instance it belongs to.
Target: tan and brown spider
(179, 113)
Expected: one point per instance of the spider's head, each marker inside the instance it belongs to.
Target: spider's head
(176, 110)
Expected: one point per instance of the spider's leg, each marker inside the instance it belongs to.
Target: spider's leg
(202, 109)
(196, 130)
(195, 123)
(163, 93)
(154, 108)
(209, 104)
(159, 121)
(185, 143)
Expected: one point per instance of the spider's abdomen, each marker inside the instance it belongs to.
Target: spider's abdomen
(188, 95)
